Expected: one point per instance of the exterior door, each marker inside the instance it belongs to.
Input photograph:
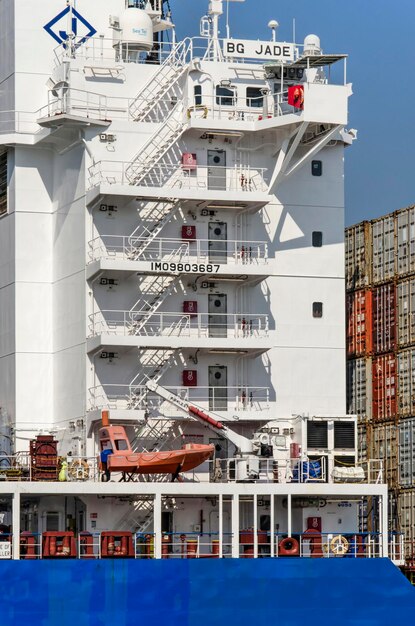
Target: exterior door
(218, 242)
(218, 388)
(216, 160)
(217, 315)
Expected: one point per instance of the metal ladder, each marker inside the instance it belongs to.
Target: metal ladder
(164, 286)
(158, 362)
(142, 236)
(166, 77)
(156, 147)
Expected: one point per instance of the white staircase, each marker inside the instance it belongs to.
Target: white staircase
(156, 147)
(162, 287)
(154, 364)
(143, 236)
(167, 76)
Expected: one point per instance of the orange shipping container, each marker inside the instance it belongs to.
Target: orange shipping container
(359, 323)
(384, 387)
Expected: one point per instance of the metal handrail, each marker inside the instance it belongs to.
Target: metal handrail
(241, 179)
(130, 323)
(162, 248)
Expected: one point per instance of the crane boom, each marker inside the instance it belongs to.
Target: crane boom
(243, 444)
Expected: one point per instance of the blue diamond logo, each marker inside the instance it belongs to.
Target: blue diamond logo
(80, 27)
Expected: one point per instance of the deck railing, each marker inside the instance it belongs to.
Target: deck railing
(162, 249)
(184, 544)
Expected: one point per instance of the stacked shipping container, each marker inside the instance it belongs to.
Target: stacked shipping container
(380, 340)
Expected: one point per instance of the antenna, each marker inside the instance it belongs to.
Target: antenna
(273, 25)
(228, 31)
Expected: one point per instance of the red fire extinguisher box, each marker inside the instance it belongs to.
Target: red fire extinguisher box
(189, 378)
(189, 161)
(314, 523)
(190, 307)
(189, 233)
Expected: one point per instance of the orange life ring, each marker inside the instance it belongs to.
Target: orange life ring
(289, 547)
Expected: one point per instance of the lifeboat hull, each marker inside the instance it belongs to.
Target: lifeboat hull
(189, 457)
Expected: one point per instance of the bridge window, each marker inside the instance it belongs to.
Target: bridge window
(198, 95)
(224, 96)
(317, 309)
(254, 97)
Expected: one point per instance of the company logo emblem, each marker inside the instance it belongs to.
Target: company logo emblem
(80, 27)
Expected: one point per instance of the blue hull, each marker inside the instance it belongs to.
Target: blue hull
(278, 592)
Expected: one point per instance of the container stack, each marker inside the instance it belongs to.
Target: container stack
(380, 341)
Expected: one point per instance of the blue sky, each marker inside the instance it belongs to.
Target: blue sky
(378, 35)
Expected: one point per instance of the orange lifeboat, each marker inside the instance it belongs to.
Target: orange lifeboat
(117, 455)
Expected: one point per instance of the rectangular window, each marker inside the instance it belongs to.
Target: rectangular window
(3, 183)
(254, 97)
(224, 96)
(317, 168)
(317, 435)
(317, 309)
(317, 239)
(198, 95)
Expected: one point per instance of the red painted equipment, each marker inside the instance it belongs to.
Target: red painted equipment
(44, 458)
(191, 549)
(58, 544)
(205, 417)
(28, 546)
(316, 541)
(86, 546)
(117, 544)
(189, 161)
(289, 547)
(189, 233)
(190, 307)
(314, 523)
(189, 378)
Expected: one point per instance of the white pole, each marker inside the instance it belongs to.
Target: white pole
(157, 526)
(255, 526)
(289, 516)
(272, 525)
(235, 526)
(220, 525)
(16, 526)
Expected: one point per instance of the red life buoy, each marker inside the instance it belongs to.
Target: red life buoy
(289, 547)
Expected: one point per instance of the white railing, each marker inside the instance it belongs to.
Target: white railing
(184, 544)
(123, 247)
(204, 178)
(200, 325)
(124, 397)
(263, 470)
(104, 50)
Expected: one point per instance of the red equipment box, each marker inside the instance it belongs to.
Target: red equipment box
(189, 233)
(189, 378)
(117, 544)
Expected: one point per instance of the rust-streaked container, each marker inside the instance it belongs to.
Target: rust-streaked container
(406, 382)
(405, 296)
(383, 249)
(359, 322)
(405, 241)
(359, 388)
(406, 518)
(384, 387)
(358, 256)
(362, 454)
(382, 444)
(407, 452)
(384, 318)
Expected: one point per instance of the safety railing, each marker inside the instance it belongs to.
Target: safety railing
(124, 397)
(199, 325)
(219, 179)
(15, 466)
(193, 545)
(122, 247)
(311, 544)
(23, 467)
(104, 50)
(201, 545)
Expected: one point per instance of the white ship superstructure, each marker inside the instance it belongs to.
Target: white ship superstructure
(172, 237)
